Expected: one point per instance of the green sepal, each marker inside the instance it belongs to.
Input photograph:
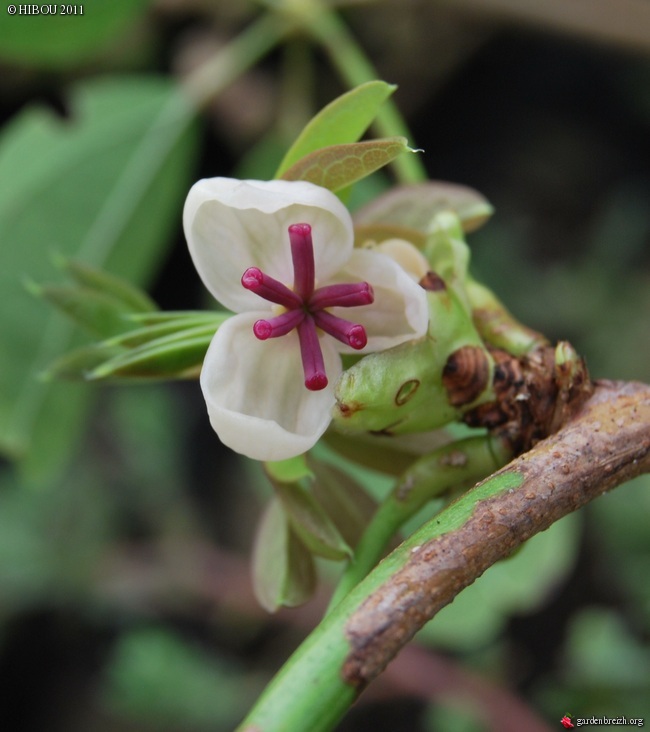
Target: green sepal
(310, 522)
(288, 471)
(415, 207)
(284, 574)
(497, 325)
(162, 345)
(96, 312)
(342, 121)
(343, 498)
(447, 252)
(133, 298)
(189, 322)
(400, 390)
(178, 355)
(178, 316)
(78, 363)
(376, 452)
(339, 166)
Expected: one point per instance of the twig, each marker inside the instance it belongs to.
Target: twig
(605, 444)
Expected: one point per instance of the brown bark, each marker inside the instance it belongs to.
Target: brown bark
(606, 443)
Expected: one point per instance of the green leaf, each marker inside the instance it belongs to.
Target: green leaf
(149, 333)
(415, 207)
(96, 312)
(342, 121)
(177, 355)
(78, 363)
(133, 298)
(158, 679)
(104, 187)
(284, 574)
(63, 40)
(310, 522)
(178, 317)
(339, 166)
(171, 348)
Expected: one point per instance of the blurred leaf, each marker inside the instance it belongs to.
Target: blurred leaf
(133, 298)
(343, 499)
(342, 121)
(339, 166)
(155, 676)
(78, 363)
(64, 40)
(174, 322)
(177, 355)
(172, 348)
(600, 649)
(97, 313)
(415, 207)
(51, 542)
(284, 574)
(104, 187)
(455, 716)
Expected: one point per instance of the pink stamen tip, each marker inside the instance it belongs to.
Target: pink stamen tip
(302, 254)
(302, 230)
(352, 334)
(262, 329)
(252, 279)
(269, 288)
(278, 326)
(357, 337)
(316, 382)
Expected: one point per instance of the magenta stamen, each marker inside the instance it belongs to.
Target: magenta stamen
(342, 296)
(312, 356)
(349, 333)
(302, 253)
(269, 288)
(278, 326)
(305, 308)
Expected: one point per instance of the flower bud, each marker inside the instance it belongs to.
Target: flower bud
(423, 384)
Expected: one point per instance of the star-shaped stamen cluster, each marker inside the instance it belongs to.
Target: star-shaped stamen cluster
(306, 307)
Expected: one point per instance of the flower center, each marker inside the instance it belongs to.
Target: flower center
(306, 307)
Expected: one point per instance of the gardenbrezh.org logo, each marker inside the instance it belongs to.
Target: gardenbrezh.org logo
(568, 721)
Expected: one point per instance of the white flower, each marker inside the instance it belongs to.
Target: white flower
(280, 254)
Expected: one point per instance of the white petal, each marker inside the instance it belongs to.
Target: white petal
(255, 393)
(409, 257)
(231, 225)
(399, 312)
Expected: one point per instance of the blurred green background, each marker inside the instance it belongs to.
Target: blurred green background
(125, 528)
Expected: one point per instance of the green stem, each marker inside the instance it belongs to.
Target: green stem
(243, 52)
(454, 466)
(355, 68)
(496, 325)
(377, 618)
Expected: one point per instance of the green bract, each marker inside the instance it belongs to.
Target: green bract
(401, 390)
